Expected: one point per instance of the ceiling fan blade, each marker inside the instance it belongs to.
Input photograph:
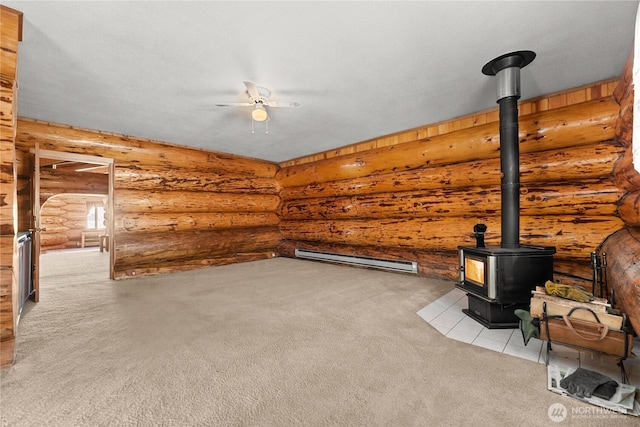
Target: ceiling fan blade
(252, 90)
(235, 104)
(282, 104)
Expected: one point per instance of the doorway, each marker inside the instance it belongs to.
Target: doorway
(59, 173)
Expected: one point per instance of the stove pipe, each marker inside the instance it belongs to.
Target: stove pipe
(507, 69)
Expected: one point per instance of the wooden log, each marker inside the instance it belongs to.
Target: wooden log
(624, 95)
(23, 165)
(438, 265)
(11, 34)
(159, 222)
(624, 125)
(133, 152)
(23, 184)
(571, 164)
(574, 272)
(8, 189)
(74, 202)
(186, 180)
(625, 175)
(579, 124)
(574, 237)
(75, 216)
(625, 82)
(51, 211)
(7, 204)
(7, 250)
(72, 234)
(137, 250)
(140, 201)
(48, 239)
(57, 181)
(589, 198)
(629, 209)
(53, 222)
(579, 268)
(75, 233)
(7, 116)
(582, 198)
(60, 206)
(182, 265)
(623, 270)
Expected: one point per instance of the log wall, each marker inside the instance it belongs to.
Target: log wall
(24, 168)
(417, 195)
(175, 208)
(57, 181)
(10, 35)
(64, 217)
(64, 194)
(623, 247)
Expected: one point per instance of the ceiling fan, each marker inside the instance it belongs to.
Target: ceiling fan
(259, 99)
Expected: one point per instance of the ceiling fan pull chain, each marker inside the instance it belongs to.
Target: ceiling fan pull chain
(252, 131)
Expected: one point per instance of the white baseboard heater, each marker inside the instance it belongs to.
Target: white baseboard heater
(362, 261)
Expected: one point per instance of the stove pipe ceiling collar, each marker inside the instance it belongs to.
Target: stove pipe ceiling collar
(506, 68)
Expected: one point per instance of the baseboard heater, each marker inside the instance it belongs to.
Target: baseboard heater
(362, 261)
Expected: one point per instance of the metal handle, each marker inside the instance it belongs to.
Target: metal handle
(38, 229)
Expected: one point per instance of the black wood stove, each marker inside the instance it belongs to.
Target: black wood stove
(499, 279)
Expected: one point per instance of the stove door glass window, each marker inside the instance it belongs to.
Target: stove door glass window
(474, 270)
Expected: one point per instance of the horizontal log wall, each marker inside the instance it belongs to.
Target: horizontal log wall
(8, 247)
(418, 194)
(623, 247)
(545, 103)
(175, 208)
(24, 169)
(64, 217)
(55, 181)
(10, 35)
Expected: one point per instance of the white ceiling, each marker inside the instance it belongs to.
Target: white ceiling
(360, 69)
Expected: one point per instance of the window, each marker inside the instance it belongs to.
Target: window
(95, 215)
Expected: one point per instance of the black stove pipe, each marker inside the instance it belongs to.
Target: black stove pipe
(507, 69)
(510, 173)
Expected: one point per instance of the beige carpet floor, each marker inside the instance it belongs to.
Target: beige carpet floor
(278, 342)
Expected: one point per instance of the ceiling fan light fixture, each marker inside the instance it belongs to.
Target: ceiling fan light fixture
(259, 114)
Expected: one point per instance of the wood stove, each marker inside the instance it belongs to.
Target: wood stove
(499, 279)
